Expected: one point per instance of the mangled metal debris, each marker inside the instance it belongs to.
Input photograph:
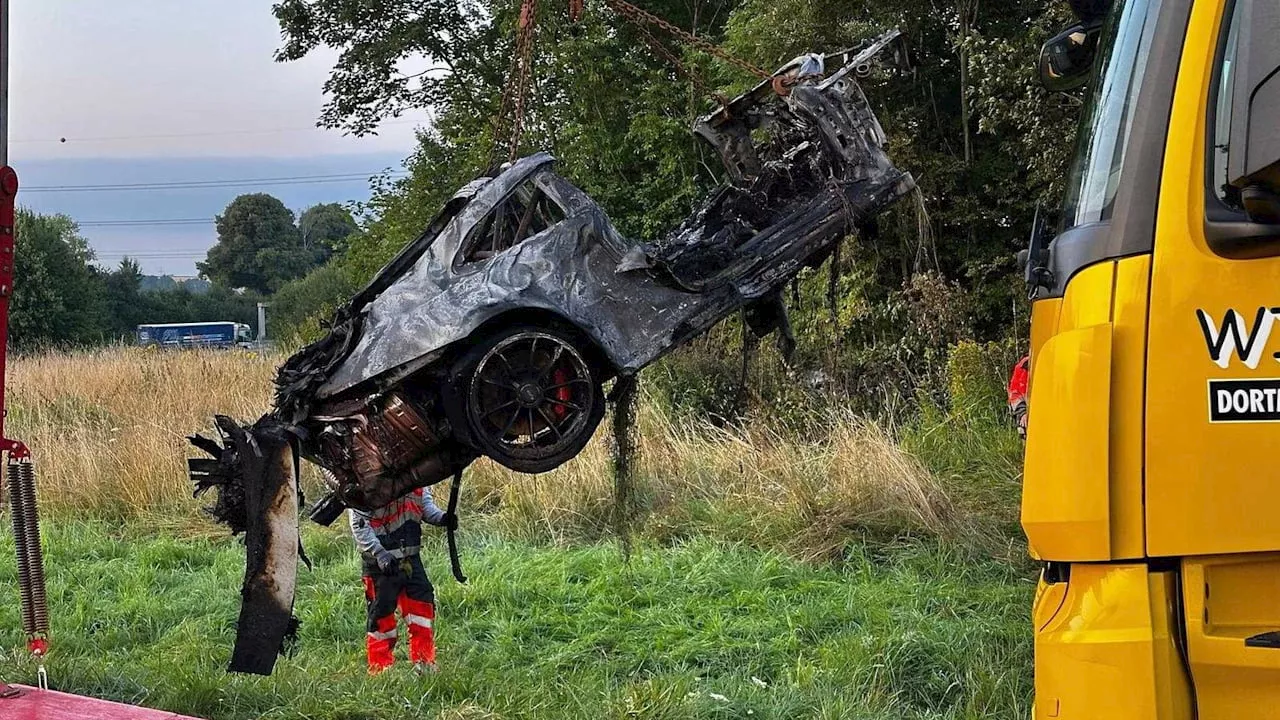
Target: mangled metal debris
(255, 474)
(495, 331)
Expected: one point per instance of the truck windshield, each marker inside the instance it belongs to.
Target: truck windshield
(1107, 116)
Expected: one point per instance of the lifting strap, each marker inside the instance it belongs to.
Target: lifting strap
(451, 529)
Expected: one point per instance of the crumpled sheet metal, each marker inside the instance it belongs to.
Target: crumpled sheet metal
(255, 473)
(570, 269)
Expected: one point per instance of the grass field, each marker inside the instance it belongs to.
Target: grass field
(771, 576)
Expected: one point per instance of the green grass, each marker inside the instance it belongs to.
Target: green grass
(698, 629)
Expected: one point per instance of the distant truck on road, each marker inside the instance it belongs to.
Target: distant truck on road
(196, 335)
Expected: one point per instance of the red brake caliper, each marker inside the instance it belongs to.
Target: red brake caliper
(563, 393)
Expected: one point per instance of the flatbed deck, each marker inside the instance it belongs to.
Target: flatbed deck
(28, 703)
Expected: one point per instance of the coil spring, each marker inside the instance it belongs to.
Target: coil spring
(14, 477)
(26, 531)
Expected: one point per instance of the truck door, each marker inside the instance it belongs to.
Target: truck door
(1213, 365)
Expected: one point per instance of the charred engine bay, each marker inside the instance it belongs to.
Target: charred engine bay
(805, 165)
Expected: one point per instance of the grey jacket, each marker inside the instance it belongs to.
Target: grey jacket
(395, 528)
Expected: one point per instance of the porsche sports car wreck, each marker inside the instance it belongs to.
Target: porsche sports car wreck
(495, 331)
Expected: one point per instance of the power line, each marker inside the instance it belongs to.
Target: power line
(117, 258)
(174, 136)
(144, 223)
(105, 252)
(207, 184)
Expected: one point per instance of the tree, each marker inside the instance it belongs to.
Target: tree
(299, 306)
(367, 83)
(58, 296)
(326, 227)
(259, 247)
(123, 296)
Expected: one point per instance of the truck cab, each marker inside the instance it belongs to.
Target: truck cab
(1150, 492)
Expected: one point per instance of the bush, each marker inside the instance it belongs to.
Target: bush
(300, 307)
(977, 376)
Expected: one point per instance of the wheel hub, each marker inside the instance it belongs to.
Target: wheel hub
(529, 394)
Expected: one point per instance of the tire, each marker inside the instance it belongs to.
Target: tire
(533, 398)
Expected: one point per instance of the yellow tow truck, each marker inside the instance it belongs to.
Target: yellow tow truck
(1152, 478)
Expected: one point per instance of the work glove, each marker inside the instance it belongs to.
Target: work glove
(448, 521)
(386, 561)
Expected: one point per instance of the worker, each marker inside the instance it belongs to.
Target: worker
(1019, 380)
(389, 540)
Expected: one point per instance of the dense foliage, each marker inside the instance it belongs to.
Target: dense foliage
(325, 228)
(984, 142)
(259, 246)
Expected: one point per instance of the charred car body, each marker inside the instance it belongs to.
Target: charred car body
(495, 331)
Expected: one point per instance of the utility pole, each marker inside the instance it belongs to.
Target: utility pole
(261, 317)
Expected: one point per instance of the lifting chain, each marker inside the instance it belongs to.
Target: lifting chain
(21, 479)
(509, 126)
(666, 54)
(640, 16)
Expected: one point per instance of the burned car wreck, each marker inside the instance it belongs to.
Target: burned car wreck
(495, 331)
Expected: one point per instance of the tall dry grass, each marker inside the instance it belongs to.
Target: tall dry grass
(757, 485)
(107, 428)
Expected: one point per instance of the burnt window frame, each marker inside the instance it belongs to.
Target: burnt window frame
(542, 192)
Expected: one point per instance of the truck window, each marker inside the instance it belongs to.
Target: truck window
(525, 212)
(1222, 109)
(1123, 49)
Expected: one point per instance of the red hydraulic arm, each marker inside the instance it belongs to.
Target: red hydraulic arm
(20, 473)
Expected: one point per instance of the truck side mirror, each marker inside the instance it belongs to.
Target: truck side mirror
(1253, 159)
(1067, 58)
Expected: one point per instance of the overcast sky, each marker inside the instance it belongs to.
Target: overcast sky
(86, 70)
(168, 91)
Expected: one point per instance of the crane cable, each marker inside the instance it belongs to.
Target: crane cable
(509, 123)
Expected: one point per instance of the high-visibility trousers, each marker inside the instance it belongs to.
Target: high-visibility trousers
(408, 588)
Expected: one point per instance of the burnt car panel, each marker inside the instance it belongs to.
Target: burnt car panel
(567, 269)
